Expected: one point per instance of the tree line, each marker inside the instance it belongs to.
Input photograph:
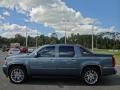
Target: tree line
(100, 42)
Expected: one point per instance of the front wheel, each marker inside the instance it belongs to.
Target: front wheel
(90, 76)
(17, 75)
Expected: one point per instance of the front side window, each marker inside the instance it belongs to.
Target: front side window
(66, 51)
(47, 52)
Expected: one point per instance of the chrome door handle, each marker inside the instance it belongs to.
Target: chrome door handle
(73, 59)
(52, 59)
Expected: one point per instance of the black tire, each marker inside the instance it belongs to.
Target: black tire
(93, 70)
(21, 70)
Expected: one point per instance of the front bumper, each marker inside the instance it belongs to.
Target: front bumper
(109, 71)
(5, 70)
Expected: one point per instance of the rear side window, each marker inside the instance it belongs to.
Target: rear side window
(66, 51)
(85, 52)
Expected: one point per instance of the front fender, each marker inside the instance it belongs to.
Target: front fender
(20, 62)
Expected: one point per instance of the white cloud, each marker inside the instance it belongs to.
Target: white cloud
(86, 30)
(49, 34)
(8, 3)
(10, 30)
(110, 29)
(1, 17)
(55, 14)
(6, 13)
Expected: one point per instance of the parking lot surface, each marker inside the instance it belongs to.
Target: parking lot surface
(107, 83)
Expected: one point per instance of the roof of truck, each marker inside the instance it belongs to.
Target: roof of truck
(62, 45)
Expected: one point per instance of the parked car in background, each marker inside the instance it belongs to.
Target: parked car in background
(13, 51)
(31, 49)
(60, 60)
(23, 50)
(5, 48)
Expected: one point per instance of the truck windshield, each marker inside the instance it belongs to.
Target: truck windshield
(36, 50)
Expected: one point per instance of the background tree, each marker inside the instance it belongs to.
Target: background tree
(104, 40)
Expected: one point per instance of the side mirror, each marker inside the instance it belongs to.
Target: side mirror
(36, 54)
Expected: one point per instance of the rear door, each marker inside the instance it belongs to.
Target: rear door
(66, 61)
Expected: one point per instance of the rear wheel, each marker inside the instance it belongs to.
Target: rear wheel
(17, 74)
(90, 76)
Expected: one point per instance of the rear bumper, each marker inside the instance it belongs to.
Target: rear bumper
(5, 70)
(109, 71)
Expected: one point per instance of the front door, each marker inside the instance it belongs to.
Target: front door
(44, 63)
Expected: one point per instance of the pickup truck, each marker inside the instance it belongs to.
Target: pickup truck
(60, 60)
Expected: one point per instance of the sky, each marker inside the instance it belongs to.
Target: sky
(49, 16)
(106, 11)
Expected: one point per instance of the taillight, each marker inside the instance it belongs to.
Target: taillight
(113, 61)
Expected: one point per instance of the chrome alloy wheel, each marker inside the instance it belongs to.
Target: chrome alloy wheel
(17, 75)
(91, 77)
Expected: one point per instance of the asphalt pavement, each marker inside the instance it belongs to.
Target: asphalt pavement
(107, 83)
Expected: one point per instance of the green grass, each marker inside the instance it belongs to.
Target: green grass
(116, 53)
